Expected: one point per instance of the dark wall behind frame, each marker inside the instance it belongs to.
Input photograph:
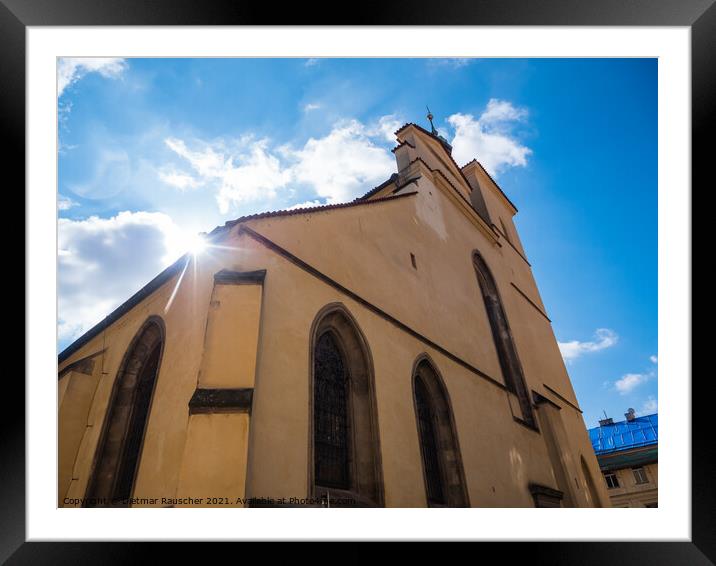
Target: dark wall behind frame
(15, 15)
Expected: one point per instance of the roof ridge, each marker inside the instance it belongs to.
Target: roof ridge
(180, 263)
(394, 177)
(303, 210)
(460, 169)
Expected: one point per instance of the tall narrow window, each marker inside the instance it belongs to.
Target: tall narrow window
(592, 495)
(506, 350)
(120, 446)
(345, 454)
(330, 415)
(429, 445)
(442, 465)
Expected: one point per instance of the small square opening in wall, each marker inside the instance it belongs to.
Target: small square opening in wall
(412, 260)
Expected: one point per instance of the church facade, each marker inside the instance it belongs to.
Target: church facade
(392, 351)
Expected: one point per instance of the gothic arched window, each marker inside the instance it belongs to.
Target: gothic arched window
(344, 445)
(442, 464)
(120, 446)
(592, 494)
(330, 415)
(506, 350)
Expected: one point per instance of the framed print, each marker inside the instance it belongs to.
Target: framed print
(246, 255)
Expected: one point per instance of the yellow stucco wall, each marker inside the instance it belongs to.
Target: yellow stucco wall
(213, 472)
(76, 392)
(231, 337)
(491, 442)
(365, 249)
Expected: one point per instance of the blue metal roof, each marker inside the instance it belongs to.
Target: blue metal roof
(624, 435)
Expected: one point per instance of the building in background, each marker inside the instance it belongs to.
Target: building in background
(391, 351)
(627, 452)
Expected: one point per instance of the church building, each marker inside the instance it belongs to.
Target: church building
(392, 351)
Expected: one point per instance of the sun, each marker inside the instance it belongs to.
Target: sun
(195, 244)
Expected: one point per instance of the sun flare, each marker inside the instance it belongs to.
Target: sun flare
(196, 244)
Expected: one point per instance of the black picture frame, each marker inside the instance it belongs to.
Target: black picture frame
(699, 15)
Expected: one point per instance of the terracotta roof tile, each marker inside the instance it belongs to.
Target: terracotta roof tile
(291, 212)
(374, 190)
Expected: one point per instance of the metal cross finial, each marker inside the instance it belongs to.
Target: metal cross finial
(430, 117)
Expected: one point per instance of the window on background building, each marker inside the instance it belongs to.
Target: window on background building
(611, 480)
(640, 475)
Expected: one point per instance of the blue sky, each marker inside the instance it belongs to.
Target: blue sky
(152, 151)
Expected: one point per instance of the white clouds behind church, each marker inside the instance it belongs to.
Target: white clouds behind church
(340, 166)
(490, 138)
(104, 260)
(337, 167)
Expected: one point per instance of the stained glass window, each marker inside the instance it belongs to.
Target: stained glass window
(330, 415)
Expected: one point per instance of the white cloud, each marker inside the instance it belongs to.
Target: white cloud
(206, 161)
(179, 180)
(654, 359)
(628, 382)
(651, 405)
(103, 261)
(242, 171)
(258, 175)
(65, 203)
(450, 62)
(311, 106)
(72, 69)
(603, 338)
(500, 111)
(312, 62)
(307, 204)
(489, 138)
(385, 127)
(342, 164)
(337, 167)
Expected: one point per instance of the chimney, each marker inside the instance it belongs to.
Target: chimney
(606, 420)
(630, 415)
